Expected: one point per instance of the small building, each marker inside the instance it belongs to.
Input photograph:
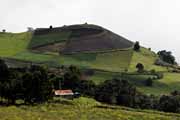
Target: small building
(69, 94)
(64, 93)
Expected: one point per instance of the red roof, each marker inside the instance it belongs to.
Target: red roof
(63, 92)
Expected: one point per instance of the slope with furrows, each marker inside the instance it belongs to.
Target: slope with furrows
(78, 39)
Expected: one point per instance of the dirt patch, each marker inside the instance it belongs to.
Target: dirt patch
(103, 42)
(56, 47)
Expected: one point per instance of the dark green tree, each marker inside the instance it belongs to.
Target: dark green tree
(116, 91)
(72, 78)
(137, 46)
(149, 82)
(37, 86)
(4, 71)
(140, 67)
(169, 103)
(167, 56)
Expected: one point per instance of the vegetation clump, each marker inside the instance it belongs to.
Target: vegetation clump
(3, 30)
(116, 92)
(140, 67)
(149, 82)
(29, 84)
(167, 57)
(121, 92)
(137, 46)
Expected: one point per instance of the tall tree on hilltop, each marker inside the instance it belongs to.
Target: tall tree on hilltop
(136, 46)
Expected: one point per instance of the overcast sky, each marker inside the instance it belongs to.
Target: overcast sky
(155, 23)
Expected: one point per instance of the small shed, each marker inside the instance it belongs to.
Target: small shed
(64, 93)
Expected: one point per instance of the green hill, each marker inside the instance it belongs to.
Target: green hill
(108, 51)
(22, 48)
(17, 46)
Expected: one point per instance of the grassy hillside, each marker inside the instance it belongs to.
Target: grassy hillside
(147, 58)
(11, 44)
(169, 83)
(80, 109)
(112, 61)
(15, 46)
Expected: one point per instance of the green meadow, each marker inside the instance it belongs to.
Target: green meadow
(80, 109)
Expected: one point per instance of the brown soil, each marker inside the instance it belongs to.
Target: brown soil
(57, 47)
(85, 38)
(100, 42)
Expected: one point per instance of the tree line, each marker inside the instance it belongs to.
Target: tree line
(36, 85)
(31, 85)
(119, 92)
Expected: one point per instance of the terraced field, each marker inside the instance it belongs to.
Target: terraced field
(50, 38)
(79, 38)
(80, 109)
(112, 61)
(15, 46)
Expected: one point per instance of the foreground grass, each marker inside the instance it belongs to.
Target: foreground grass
(80, 109)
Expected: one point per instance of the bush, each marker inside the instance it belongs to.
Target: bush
(167, 56)
(153, 71)
(86, 88)
(169, 103)
(50, 27)
(3, 30)
(145, 102)
(149, 82)
(136, 46)
(140, 67)
(159, 75)
(175, 93)
(116, 92)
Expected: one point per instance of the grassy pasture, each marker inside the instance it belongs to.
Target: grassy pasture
(112, 61)
(147, 58)
(11, 44)
(169, 83)
(80, 109)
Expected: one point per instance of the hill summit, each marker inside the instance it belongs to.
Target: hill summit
(78, 38)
